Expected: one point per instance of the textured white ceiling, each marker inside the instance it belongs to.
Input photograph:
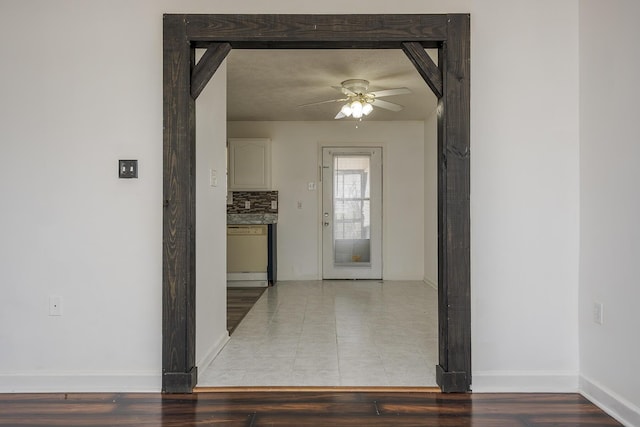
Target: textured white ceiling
(270, 85)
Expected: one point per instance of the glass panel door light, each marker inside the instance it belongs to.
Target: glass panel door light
(351, 209)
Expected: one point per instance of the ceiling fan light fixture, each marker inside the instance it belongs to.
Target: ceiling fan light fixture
(356, 109)
(358, 102)
(346, 110)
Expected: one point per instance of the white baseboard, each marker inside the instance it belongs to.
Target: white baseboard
(297, 278)
(95, 382)
(619, 408)
(399, 277)
(247, 284)
(246, 276)
(81, 382)
(524, 382)
(212, 352)
(430, 283)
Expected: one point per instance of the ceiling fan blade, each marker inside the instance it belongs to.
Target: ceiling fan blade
(324, 102)
(340, 115)
(344, 90)
(391, 92)
(386, 105)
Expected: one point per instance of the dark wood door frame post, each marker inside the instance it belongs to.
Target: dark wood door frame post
(183, 80)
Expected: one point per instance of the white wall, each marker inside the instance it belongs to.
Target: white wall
(524, 195)
(82, 87)
(610, 204)
(85, 97)
(211, 216)
(431, 199)
(295, 158)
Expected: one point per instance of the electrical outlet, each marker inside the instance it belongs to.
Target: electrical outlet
(274, 204)
(299, 204)
(213, 178)
(55, 305)
(598, 314)
(247, 204)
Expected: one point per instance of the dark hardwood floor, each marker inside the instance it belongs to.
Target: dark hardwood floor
(239, 302)
(295, 408)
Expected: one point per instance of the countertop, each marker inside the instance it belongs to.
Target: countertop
(253, 218)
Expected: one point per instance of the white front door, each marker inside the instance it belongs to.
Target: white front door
(351, 213)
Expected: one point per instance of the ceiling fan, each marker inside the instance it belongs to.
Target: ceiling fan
(358, 101)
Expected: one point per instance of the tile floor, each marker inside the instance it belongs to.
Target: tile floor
(333, 333)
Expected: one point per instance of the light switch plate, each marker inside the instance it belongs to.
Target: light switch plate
(127, 168)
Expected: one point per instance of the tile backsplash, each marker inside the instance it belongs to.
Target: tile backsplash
(259, 202)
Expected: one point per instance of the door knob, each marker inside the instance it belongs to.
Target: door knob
(326, 223)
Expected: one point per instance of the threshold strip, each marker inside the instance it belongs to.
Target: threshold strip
(340, 389)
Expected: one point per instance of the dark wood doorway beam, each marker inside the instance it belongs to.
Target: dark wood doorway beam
(207, 67)
(425, 66)
(183, 81)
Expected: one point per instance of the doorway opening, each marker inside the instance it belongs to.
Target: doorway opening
(183, 82)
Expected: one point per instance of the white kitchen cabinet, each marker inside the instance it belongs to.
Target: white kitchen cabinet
(249, 164)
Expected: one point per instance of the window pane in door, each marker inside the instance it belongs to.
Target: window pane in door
(351, 209)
